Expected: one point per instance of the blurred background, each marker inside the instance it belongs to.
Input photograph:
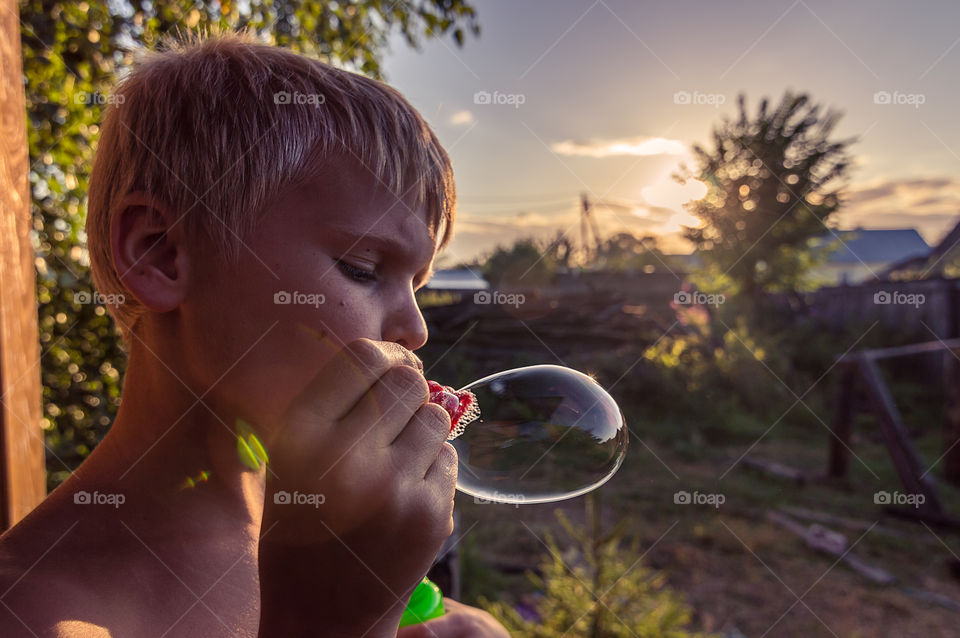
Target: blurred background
(742, 220)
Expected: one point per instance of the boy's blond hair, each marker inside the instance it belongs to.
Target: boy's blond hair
(214, 126)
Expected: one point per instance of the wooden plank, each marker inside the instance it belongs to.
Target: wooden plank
(774, 468)
(903, 351)
(22, 475)
(942, 521)
(932, 597)
(905, 458)
(833, 543)
(842, 521)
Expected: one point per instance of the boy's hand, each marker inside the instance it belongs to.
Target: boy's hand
(359, 496)
(459, 621)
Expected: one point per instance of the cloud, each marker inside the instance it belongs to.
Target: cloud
(915, 187)
(461, 118)
(657, 211)
(623, 146)
(871, 194)
(938, 200)
(476, 233)
(931, 204)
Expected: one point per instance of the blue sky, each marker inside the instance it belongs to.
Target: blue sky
(590, 97)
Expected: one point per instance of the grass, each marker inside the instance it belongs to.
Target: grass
(739, 570)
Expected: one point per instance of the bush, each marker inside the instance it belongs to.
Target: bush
(598, 589)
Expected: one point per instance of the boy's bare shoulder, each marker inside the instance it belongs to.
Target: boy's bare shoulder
(33, 608)
(80, 629)
(64, 577)
(14, 627)
(46, 586)
(35, 600)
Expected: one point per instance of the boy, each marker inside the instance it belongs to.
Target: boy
(263, 221)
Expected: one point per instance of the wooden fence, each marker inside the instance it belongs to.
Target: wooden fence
(22, 476)
(919, 309)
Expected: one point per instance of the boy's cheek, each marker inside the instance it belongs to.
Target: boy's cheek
(265, 379)
(258, 369)
(255, 337)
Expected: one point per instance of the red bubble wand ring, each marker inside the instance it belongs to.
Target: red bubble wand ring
(461, 405)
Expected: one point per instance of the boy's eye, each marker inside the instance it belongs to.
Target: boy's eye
(356, 273)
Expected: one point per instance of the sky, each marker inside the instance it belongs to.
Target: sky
(562, 97)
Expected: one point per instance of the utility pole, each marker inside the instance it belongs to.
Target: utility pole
(588, 224)
(584, 211)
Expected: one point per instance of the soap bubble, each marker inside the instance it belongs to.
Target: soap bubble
(545, 433)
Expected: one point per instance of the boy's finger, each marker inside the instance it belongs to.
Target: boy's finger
(458, 621)
(386, 408)
(341, 383)
(417, 444)
(443, 471)
(333, 346)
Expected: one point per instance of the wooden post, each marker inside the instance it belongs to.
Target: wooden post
(842, 427)
(22, 475)
(905, 457)
(951, 419)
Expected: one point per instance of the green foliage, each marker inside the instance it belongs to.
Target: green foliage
(479, 580)
(71, 53)
(773, 181)
(773, 184)
(526, 263)
(601, 589)
(533, 262)
(712, 368)
(627, 252)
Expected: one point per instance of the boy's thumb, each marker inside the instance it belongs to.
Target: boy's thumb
(435, 628)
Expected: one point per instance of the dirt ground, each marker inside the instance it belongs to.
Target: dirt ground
(743, 574)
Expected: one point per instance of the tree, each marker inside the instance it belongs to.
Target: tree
(71, 52)
(527, 263)
(598, 589)
(773, 184)
(625, 251)
(560, 250)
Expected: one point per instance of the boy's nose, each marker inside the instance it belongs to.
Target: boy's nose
(406, 326)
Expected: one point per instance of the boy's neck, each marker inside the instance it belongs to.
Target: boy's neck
(168, 449)
(167, 546)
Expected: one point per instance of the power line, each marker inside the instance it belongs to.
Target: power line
(568, 205)
(510, 199)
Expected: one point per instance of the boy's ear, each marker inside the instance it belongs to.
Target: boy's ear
(149, 252)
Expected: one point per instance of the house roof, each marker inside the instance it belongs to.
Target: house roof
(457, 279)
(857, 246)
(948, 243)
(875, 245)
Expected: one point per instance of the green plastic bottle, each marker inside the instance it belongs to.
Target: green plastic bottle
(426, 602)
